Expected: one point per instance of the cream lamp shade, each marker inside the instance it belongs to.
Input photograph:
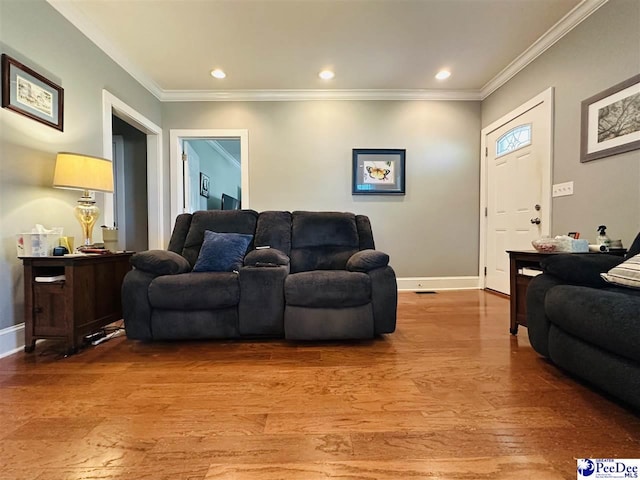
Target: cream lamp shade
(83, 172)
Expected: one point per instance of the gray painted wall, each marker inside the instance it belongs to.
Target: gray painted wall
(601, 52)
(300, 159)
(39, 37)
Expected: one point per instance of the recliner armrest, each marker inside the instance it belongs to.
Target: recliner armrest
(160, 262)
(580, 269)
(266, 257)
(367, 260)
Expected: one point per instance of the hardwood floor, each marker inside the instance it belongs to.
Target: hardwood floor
(450, 395)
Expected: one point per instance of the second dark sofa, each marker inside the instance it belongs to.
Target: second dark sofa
(586, 326)
(305, 276)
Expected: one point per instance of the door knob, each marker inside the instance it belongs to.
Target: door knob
(535, 221)
(537, 207)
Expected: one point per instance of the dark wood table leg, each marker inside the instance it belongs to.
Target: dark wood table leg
(513, 296)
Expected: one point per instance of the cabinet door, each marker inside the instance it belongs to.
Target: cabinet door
(49, 310)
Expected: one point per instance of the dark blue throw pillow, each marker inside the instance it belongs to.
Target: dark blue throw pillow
(222, 252)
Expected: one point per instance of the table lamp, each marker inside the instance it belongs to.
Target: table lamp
(75, 171)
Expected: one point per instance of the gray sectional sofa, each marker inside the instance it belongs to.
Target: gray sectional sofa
(586, 326)
(303, 276)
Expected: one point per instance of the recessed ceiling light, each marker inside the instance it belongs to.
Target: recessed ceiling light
(326, 74)
(217, 73)
(443, 74)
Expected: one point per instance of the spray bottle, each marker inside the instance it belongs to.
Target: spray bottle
(602, 238)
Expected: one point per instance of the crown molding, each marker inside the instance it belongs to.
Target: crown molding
(220, 150)
(579, 13)
(567, 23)
(303, 95)
(82, 23)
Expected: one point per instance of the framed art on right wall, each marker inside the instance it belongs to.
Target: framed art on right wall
(611, 121)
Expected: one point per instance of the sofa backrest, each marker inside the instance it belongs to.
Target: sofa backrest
(365, 234)
(325, 240)
(179, 234)
(634, 249)
(274, 230)
(313, 240)
(189, 229)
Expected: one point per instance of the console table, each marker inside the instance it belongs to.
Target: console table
(88, 298)
(519, 282)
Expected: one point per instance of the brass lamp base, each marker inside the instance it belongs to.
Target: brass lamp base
(87, 214)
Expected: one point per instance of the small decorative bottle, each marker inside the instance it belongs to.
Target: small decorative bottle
(602, 238)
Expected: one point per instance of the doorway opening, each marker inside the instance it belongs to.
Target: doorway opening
(212, 173)
(231, 145)
(130, 186)
(157, 225)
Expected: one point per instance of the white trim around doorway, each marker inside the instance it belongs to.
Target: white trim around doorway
(111, 105)
(175, 159)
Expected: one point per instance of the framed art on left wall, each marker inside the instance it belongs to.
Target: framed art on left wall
(29, 93)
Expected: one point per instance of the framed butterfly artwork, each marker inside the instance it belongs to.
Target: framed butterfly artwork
(378, 171)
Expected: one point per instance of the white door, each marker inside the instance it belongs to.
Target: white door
(518, 183)
(191, 173)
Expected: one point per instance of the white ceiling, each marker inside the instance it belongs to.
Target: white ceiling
(277, 47)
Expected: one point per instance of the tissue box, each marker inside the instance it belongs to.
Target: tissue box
(36, 244)
(571, 245)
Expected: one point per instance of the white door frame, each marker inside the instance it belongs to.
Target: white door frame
(119, 184)
(175, 159)
(546, 98)
(112, 105)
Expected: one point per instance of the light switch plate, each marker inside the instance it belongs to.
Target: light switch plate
(562, 189)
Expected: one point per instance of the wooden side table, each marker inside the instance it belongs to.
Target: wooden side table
(88, 298)
(519, 259)
(519, 282)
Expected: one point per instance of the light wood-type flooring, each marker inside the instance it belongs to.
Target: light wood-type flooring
(449, 395)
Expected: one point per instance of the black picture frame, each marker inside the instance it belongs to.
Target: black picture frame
(611, 121)
(29, 93)
(378, 171)
(204, 185)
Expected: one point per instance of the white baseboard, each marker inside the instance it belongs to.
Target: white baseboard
(420, 284)
(11, 340)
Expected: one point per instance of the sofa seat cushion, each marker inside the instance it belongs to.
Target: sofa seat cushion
(606, 318)
(327, 289)
(195, 291)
